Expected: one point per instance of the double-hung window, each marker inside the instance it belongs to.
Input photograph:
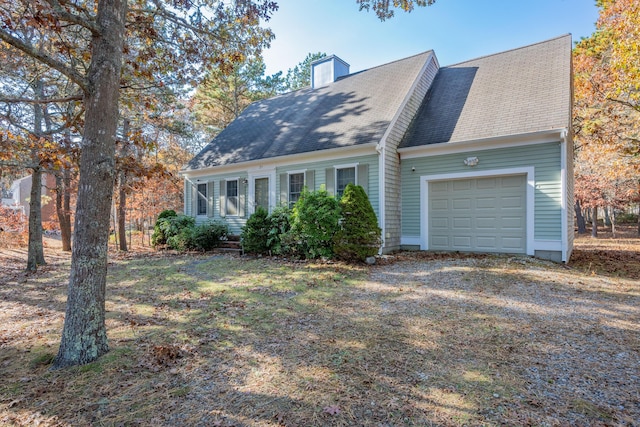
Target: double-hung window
(296, 184)
(202, 199)
(232, 198)
(344, 176)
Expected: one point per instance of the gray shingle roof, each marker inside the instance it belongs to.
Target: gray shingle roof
(356, 109)
(514, 92)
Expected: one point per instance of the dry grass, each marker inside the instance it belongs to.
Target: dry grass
(422, 339)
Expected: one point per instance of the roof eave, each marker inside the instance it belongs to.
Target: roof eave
(501, 141)
(331, 153)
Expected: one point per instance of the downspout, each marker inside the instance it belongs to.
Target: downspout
(564, 134)
(381, 193)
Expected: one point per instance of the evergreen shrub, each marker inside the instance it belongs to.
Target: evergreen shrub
(207, 236)
(314, 222)
(158, 237)
(359, 234)
(279, 240)
(255, 234)
(168, 227)
(180, 232)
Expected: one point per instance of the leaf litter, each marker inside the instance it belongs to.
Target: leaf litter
(419, 339)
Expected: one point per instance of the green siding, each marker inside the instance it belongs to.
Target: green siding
(235, 222)
(545, 158)
(320, 168)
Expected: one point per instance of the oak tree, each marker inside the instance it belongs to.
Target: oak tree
(194, 33)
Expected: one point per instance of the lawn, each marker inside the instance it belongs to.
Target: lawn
(419, 339)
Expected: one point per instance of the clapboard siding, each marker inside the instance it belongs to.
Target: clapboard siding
(320, 170)
(545, 158)
(392, 184)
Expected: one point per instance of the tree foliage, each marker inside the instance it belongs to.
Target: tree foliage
(155, 44)
(299, 76)
(223, 95)
(607, 108)
(385, 9)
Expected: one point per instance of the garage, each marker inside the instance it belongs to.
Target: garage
(486, 214)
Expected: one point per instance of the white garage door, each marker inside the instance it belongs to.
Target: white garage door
(478, 215)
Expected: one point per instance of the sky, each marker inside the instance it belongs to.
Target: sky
(457, 30)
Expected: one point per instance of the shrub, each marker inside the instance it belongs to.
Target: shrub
(278, 240)
(626, 218)
(255, 234)
(359, 234)
(168, 228)
(163, 223)
(207, 236)
(314, 222)
(180, 232)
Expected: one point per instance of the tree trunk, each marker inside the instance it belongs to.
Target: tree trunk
(63, 201)
(84, 336)
(607, 218)
(122, 193)
(594, 222)
(613, 221)
(35, 256)
(582, 225)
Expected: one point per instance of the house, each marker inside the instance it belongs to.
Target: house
(18, 195)
(473, 157)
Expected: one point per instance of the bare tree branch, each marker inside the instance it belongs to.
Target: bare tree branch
(64, 15)
(31, 51)
(78, 97)
(631, 105)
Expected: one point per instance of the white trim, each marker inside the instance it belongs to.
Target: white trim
(506, 141)
(563, 202)
(405, 101)
(184, 195)
(237, 196)
(548, 245)
(257, 174)
(331, 154)
(197, 214)
(353, 166)
(346, 166)
(530, 197)
(381, 146)
(410, 240)
(382, 197)
(304, 182)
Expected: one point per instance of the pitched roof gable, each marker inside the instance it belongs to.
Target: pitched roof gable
(356, 109)
(514, 92)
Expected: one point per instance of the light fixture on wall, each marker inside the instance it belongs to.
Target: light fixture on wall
(413, 169)
(245, 181)
(471, 161)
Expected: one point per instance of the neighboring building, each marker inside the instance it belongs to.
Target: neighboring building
(17, 197)
(473, 157)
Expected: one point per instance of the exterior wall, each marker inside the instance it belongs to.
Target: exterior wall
(320, 178)
(235, 222)
(392, 177)
(318, 168)
(544, 158)
(21, 190)
(570, 231)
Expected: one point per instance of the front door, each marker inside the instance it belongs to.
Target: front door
(262, 193)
